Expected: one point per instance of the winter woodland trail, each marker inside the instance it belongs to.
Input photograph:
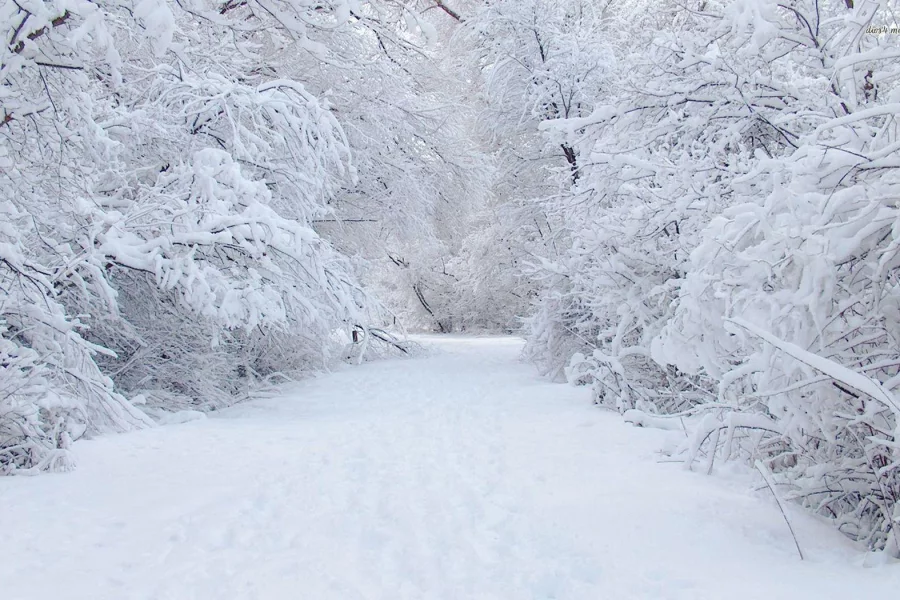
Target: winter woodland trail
(457, 476)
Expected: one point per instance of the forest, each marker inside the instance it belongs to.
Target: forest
(690, 207)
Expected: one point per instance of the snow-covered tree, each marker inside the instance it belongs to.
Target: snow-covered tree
(730, 248)
(789, 305)
(159, 172)
(535, 59)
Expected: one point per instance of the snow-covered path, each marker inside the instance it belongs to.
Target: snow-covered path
(457, 476)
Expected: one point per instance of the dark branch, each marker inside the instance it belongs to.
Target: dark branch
(448, 10)
(20, 45)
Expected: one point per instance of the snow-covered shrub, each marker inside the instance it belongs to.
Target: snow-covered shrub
(790, 305)
(51, 389)
(728, 160)
(159, 182)
(658, 149)
(731, 244)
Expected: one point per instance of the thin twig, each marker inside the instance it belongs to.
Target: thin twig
(767, 477)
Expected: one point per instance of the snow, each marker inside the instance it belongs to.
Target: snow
(836, 371)
(457, 475)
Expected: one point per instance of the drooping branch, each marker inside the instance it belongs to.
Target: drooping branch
(418, 290)
(17, 47)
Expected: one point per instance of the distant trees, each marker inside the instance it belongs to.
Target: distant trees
(534, 60)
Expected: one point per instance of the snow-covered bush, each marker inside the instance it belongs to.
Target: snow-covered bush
(51, 388)
(731, 244)
(159, 183)
(789, 306)
(691, 111)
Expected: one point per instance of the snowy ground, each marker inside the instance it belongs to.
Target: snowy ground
(458, 476)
